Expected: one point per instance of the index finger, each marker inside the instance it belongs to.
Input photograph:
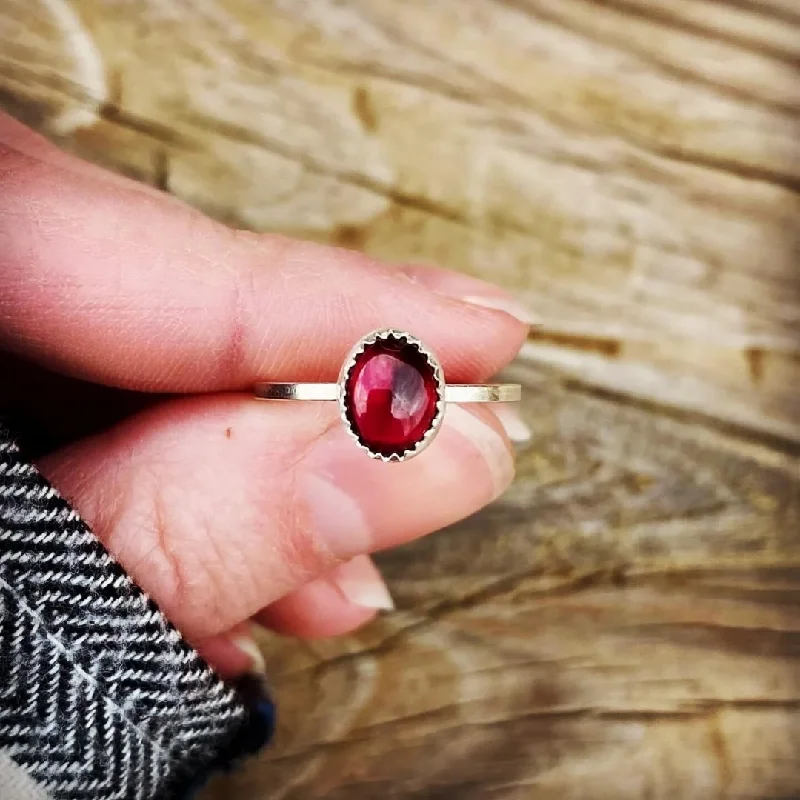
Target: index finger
(106, 282)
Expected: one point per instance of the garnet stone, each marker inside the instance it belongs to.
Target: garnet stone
(391, 394)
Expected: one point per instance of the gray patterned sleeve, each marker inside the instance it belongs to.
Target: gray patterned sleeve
(100, 697)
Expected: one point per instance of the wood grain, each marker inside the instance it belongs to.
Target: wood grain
(625, 623)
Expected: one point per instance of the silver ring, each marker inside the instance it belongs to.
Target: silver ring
(392, 394)
(453, 392)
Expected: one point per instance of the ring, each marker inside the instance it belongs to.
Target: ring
(392, 394)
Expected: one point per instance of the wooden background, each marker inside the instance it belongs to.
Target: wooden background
(626, 622)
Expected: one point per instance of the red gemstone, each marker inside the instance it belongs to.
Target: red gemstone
(391, 396)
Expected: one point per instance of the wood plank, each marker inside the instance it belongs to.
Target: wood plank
(624, 624)
(632, 171)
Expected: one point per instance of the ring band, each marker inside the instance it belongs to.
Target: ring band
(391, 393)
(453, 392)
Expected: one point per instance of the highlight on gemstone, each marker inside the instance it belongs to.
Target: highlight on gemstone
(392, 395)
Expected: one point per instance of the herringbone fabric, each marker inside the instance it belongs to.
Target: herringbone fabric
(100, 698)
(16, 784)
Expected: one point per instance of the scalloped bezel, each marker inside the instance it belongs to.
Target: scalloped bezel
(438, 373)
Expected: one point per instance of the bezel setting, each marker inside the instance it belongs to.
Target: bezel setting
(387, 334)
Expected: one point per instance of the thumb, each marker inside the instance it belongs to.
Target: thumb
(221, 505)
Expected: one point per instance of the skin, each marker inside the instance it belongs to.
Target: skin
(133, 327)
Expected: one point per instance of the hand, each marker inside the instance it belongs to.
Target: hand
(133, 329)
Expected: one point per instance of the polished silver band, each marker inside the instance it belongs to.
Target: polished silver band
(453, 393)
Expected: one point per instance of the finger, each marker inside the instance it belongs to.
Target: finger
(468, 289)
(333, 605)
(123, 287)
(337, 603)
(220, 505)
(232, 653)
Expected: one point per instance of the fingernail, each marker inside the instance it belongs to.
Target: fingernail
(352, 505)
(248, 646)
(468, 290)
(506, 304)
(361, 583)
(515, 427)
(336, 514)
(487, 441)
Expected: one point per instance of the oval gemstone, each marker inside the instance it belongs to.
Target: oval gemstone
(390, 396)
